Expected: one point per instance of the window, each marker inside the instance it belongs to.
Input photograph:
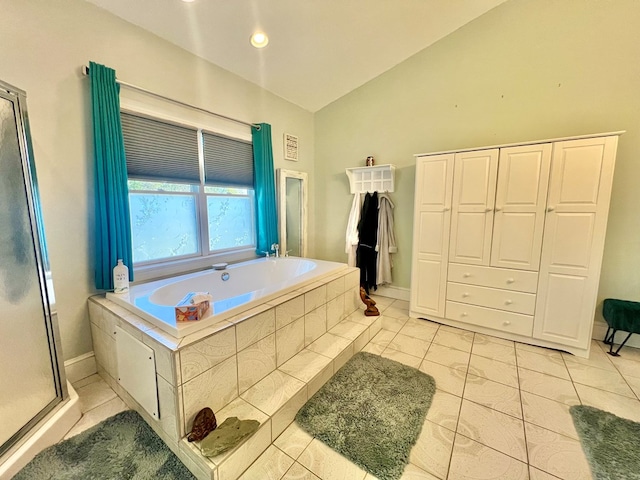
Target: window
(190, 191)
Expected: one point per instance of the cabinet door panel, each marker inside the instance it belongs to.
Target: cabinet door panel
(521, 193)
(472, 210)
(432, 219)
(575, 227)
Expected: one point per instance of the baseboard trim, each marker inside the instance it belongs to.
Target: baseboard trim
(398, 293)
(600, 329)
(80, 367)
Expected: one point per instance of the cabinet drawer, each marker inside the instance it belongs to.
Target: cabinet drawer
(490, 318)
(505, 278)
(508, 300)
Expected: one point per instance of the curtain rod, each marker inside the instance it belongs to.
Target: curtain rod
(85, 71)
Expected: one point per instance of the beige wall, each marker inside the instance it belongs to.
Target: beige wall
(527, 70)
(44, 43)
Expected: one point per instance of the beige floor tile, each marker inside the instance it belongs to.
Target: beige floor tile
(444, 410)
(97, 415)
(293, 440)
(348, 329)
(401, 304)
(617, 404)
(627, 352)
(547, 386)
(448, 357)
(298, 472)
(412, 472)
(459, 341)
(374, 348)
(493, 370)
(393, 324)
(634, 383)
(94, 394)
(271, 465)
(421, 329)
(626, 366)
(383, 337)
(473, 461)
(402, 357)
(597, 358)
(448, 379)
(328, 464)
(535, 474)
(409, 345)
(601, 379)
(481, 338)
(432, 451)
(548, 414)
(86, 381)
(401, 313)
(551, 365)
(485, 347)
(497, 396)
(494, 429)
(556, 454)
(382, 302)
(548, 352)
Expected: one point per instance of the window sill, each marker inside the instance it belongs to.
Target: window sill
(147, 273)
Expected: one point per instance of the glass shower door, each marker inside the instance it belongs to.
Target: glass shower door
(30, 372)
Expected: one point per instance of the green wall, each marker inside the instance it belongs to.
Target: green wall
(526, 70)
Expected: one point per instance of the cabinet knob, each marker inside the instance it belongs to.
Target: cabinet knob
(465, 294)
(466, 275)
(463, 314)
(487, 210)
(508, 302)
(506, 323)
(550, 209)
(510, 280)
(446, 209)
(498, 209)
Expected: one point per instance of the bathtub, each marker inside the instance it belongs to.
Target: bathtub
(237, 288)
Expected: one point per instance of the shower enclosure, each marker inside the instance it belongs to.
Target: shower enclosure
(32, 381)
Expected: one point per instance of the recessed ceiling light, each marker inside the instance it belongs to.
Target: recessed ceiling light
(259, 40)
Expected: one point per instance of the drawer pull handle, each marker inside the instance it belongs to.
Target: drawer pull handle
(506, 323)
(463, 314)
(498, 209)
(508, 302)
(446, 209)
(465, 294)
(510, 280)
(487, 210)
(466, 275)
(550, 209)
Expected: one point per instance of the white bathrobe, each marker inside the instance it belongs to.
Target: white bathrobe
(351, 236)
(386, 244)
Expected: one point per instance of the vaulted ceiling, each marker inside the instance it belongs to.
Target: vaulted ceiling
(318, 50)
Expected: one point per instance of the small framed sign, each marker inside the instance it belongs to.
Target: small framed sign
(290, 147)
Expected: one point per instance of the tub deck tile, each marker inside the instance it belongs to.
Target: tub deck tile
(273, 392)
(329, 345)
(305, 365)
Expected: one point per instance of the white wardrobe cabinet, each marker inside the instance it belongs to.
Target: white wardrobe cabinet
(508, 240)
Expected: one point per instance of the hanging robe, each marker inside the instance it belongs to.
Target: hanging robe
(366, 254)
(386, 239)
(351, 236)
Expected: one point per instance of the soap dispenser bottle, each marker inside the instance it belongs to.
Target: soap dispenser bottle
(120, 278)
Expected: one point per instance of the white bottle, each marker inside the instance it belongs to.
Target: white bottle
(120, 278)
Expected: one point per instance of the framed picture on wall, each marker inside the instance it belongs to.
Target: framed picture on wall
(290, 147)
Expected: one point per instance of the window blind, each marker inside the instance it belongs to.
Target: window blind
(158, 150)
(227, 161)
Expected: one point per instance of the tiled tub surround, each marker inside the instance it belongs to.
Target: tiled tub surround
(263, 364)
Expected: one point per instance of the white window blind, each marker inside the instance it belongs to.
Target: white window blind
(227, 161)
(159, 150)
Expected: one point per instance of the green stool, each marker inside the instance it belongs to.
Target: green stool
(620, 315)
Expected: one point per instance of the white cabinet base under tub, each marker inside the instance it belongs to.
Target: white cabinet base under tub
(508, 240)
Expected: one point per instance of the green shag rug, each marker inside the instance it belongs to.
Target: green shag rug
(610, 443)
(121, 447)
(371, 411)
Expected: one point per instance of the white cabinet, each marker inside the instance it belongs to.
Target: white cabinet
(509, 240)
(434, 176)
(576, 223)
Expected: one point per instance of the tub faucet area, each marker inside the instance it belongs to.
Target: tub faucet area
(275, 247)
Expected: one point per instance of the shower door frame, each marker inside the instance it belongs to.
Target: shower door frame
(50, 317)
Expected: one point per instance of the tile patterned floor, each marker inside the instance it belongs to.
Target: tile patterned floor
(501, 409)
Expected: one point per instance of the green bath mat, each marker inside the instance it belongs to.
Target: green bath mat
(610, 443)
(121, 447)
(371, 411)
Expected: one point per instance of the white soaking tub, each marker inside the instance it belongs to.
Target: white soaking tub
(237, 288)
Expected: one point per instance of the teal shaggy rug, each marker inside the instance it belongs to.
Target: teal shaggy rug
(610, 443)
(371, 411)
(121, 447)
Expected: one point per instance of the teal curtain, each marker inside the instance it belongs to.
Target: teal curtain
(113, 226)
(265, 188)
